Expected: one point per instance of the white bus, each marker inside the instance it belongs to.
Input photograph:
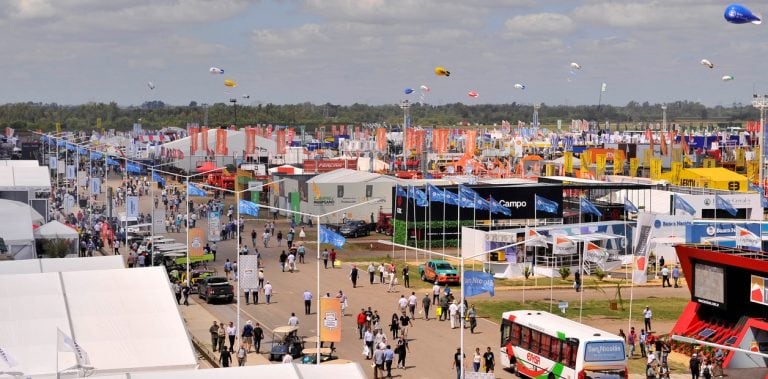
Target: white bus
(538, 344)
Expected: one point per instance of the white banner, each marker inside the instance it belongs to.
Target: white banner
(132, 206)
(52, 163)
(745, 238)
(214, 226)
(248, 270)
(158, 226)
(563, 245)
(95, 186)
(82, 179)
(71, 172)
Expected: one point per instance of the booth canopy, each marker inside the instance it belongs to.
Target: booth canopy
(55, 229)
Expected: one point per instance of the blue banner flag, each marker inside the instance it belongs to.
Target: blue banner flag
(82, 151)
(587, 207)
(435, 194)
(629, 207)
(763, 200)
(723, 204)
(450, 197)
(680, 203)
(481, 204)
(477, 282)
(418, 195)
(331, 237)
(192, 190)
(95, 155)
(545, 205)
(498, 208)
(249, 208)
(467, 192)
(158, 178)
(399, 191)
(133, 168)
(112, 162)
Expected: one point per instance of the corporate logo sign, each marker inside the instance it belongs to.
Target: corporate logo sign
(521, 200)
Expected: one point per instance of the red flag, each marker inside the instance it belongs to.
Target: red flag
(249, 140)
(193, 132)
(221, 142)
(663, 143)
(381, 139)
(204, 139)
(281, 141)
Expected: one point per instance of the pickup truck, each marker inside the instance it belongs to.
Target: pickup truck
(438, 271)
(355, 229)
(215, 287)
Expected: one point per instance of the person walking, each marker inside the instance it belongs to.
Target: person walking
(402, 351)
(258, 335)
(222, 336)
(694, 364)
(283, 259)
(371, 272)
(643, 340)
(261, 280)
(247, 335)
(361, 319)
(706, 369)
(185, 293)
(177, 292)
(333, 258)
(343, 301)
(453, 312)
(665, 277)
(458, 362)
(325, 258)
(253, 238)
(389, 356)
(405, 324)
(368, 339)
(293, 320)
(472, 314)
(577, 281)
(406, 277)
(268, 292)
(353, 276)
(412, 301)
(378, 361)
(231, 334)
(490, 361)
(647, 314)
(382, 270)
(279, 238)
(631, 341)
(394, 325)
(225, 358)
(247, 294)
(435, 293)
(425, 303)
(301, 250)
(676, 275)
(242, 355)
(291, 262)
(477, 360)
(214, 330)
(227, 268)
(307, 302)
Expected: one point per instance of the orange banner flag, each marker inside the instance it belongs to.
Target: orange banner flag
(221, 142)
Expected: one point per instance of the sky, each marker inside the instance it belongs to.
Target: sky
(369, 51)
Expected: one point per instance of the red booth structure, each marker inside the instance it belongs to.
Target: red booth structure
(729, 302)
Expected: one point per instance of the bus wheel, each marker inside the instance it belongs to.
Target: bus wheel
(551, 376)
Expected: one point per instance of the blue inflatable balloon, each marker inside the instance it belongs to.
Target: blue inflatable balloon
(408, 91)
(739, 14)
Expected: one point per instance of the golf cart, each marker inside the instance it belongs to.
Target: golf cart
(310, 352)
(285, 340)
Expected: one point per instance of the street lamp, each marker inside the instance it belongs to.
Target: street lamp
(761, 102)
(234, 106)
(663, 117)
(405, 105)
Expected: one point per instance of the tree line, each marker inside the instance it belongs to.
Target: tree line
(156, 114)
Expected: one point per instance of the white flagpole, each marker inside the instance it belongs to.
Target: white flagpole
(444, 221)
(626, 244)
(394, 223)
(458, 221)
(407, 206)
(581, 266)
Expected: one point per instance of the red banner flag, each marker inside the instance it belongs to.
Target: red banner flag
(193, 134)
(250, 135)
(289, 135)
(381, 139)
(204, 139)
(469, 142)
(281, 141)
(663, 143)
(221, 142)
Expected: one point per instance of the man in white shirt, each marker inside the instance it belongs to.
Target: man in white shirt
(412, 300)
(402, 303)
(291, 261)
(307, 302)
(453, 311)
(268, 291)
(371, 272)
(435, 293)
(293, 320)
(647, 314)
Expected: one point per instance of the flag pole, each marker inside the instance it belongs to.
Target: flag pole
(581, 264)
(626, 244)
(444, 221)
(407, 207)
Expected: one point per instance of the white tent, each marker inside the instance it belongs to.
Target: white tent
(35, 266)
(105, 311)
(16, 228)
(283, 371)
(55, 229)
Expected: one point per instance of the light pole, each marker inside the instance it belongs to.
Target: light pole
(761, 102)
(664, 117)
(405, 105)
(234, 106)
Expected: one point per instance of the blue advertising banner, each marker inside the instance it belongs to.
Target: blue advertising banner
(214, 226)
(478, 282)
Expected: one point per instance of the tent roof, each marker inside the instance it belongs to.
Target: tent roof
(35, 266)
(21, 177)
(283, 371)
(344, 175)
(55, 229)
(105, 311)
(717, 173)
(235, 142)
(16, 223)
(19, 163)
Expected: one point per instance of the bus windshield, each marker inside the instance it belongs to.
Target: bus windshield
(604, 351)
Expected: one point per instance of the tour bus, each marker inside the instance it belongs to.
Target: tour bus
(538, 344)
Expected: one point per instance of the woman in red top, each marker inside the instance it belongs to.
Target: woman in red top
(361, 322)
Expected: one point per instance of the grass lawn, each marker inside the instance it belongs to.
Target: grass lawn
(663, 308)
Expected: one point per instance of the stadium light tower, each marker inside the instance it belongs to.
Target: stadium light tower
(405, 105)
(664, 117)
(761, 102)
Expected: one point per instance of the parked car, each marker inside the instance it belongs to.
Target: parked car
(438, 271)
(355, 228)
(215, 287)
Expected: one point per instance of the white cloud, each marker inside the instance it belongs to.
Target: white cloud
(539, 23)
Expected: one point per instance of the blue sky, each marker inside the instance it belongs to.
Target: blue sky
(368, 51)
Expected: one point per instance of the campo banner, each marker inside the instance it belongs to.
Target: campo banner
(330, 325)
(196, 242)
(193, 133)
(221, 142)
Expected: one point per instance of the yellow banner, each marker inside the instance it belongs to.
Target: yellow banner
(647, 156)
(656, 168)
(330, 324)
(600, 160)
(634, 163)
(752, 171)
(677, 168)
(586, 160)
(709, 163)
(58, 127)
(196, 242)
(568, 162)
(618, 165)
(549, 169)
(740, 158)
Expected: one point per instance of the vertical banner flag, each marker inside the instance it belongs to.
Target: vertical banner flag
(680, 203)
(158, 226)
(634, 163)
(95, 186)
(221, 142)
(52, 163)
(568, 162)
(330, 319)
(71, 173)
(66, 343)
(250, 140)
(204, 139)
(193, 138)
(248, 271)
(249, 208)
(543, 204)
(214, 226)
(745, 238)
(478, 282)
(600, 162)
(640, 269)
(381, 139)
(470, 142)
(281, 141)
(563, 245)
(132, 206)
(196, 242)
